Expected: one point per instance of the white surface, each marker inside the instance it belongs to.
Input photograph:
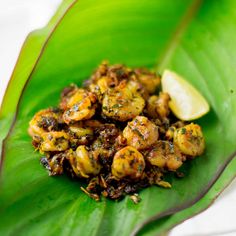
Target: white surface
(17, 19)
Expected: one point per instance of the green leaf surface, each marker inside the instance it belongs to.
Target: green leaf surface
(194, 38)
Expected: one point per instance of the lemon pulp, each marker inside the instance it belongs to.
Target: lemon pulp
(186, 102)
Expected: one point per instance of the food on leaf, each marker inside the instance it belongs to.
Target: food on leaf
(78, 104)
(165, 154)
(141, 133)
(190, 140)
(128, 162)
(117, 133)
(123, 102)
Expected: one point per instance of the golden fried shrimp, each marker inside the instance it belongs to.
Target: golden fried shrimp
(128, 162)
(44, 121)
(190, 140)
(158, 106)
(165, 155)
(123, 102)
(149, 80)
(54, 141)
(141, 133)
(100, 87)
(85, 163)
(104, 83)
(80, 131)
(107, 77)
(80, 134)
(80, 106)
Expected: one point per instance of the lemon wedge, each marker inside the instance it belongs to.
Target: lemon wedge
(186, 102)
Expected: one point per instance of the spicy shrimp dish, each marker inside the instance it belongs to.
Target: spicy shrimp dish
(116, 133)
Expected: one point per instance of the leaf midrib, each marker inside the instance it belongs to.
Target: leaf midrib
(178, 34)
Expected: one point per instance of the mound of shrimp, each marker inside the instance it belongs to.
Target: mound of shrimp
(116, 133)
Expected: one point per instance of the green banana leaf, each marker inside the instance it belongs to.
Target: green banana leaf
(194, 38)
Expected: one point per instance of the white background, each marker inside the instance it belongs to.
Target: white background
(17, 19)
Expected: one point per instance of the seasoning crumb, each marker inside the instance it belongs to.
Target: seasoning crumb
(135, 198)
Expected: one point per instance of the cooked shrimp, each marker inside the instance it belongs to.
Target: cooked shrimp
(80, 134)
(128, 162)
(104, 84)
(100, 87)
(54, 141)
(141, 133)
(107, 77)
(165, 154)
(44, 121)
(149, 80)
(123, 102)
(80, 106)
(85, 163)
(79, 130)
(157, 106)
(190, 140)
